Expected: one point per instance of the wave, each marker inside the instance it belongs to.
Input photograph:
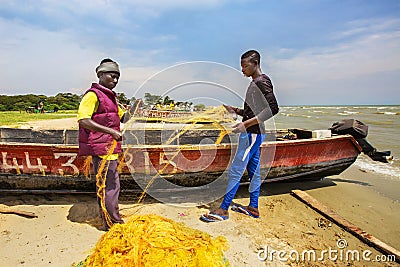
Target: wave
(378, 167)
(351, 112)
(388, 113)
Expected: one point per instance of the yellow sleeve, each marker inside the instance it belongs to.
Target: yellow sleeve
(88, 106)
(121, 112)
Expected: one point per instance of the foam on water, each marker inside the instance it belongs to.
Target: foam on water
(351, 112)
(389, 113)
(366, 164)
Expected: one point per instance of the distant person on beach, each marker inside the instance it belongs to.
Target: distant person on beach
(99, 117)
(40, 107)
(260, 105)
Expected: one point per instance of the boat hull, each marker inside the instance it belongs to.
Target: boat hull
(58, 167)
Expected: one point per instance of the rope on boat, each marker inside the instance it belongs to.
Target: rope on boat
(214, 115)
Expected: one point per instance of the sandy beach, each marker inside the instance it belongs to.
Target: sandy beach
(67, 227)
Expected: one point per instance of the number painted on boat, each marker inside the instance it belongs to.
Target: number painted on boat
(128, 162)
(166, 158)
(146, 162)
(15, 165)
(39, 165)
(71, 158)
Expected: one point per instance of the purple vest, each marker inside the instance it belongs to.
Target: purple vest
(97, 143)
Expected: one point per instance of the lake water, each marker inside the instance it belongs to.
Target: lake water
(383, 129)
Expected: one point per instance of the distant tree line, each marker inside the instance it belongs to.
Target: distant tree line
(69, 101)
(151, 100)
(62, 101)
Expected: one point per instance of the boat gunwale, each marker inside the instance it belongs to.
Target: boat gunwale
(267, 143)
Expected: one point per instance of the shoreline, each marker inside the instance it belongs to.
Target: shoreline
(66, 227)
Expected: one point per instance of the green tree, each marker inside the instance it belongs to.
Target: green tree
(121, 97)
(167, 100)
(22, 102)
(152, 99)
(199, 107)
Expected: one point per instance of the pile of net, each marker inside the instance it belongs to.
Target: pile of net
(151, 240)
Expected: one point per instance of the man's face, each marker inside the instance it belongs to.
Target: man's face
(248, 67)
(109, 79)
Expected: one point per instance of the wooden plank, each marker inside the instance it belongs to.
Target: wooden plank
(18, 212)
(345, 224)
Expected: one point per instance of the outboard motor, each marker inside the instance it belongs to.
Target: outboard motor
(359, 131)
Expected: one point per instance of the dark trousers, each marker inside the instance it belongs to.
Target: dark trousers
(111, 191)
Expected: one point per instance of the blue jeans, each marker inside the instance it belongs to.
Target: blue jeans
(247, 156)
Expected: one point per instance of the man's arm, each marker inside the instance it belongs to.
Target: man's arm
(269, 102)
(94, 126)
(231, 109)
(86, 109)
(269, 107)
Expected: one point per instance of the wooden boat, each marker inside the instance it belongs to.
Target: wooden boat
(54, 164)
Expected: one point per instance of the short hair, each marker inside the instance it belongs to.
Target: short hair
(252, 55)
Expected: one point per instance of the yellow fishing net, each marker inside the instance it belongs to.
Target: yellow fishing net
(215, 116)
(151, 240)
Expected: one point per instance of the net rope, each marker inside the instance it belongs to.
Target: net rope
(151, 240)
(216, 116)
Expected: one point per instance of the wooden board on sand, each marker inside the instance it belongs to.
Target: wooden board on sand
(345, 224)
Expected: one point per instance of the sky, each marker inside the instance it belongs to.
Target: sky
(316, 52)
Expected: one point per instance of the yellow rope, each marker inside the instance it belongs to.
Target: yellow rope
(101, 183)
(152, 240)
(215, 115)
(155, 176)
(86, 166)
(206, 116)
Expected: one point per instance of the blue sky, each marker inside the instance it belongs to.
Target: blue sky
(316, 52)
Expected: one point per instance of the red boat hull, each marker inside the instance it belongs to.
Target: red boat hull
(58, 167)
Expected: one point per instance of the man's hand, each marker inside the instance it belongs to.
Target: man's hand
(239, 127)
(230, 109)
(116, 135)
(94, 126)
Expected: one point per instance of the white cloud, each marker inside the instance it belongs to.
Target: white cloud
(184, 81)
(39, 61)
(367, 27)
(53, 46)
(369, 53)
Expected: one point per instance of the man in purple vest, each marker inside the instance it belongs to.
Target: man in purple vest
(99, 118)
